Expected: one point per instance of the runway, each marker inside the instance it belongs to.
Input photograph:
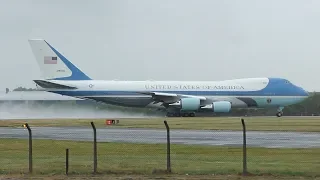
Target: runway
(199, 137)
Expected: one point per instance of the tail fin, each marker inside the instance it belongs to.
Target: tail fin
(53, 65)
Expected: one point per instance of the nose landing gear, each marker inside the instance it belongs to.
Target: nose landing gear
(279, 113)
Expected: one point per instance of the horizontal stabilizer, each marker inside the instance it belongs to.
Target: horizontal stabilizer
(51, 85)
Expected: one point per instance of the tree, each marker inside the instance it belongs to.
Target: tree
(23, 89)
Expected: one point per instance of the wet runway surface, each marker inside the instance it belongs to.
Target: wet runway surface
(226, 138)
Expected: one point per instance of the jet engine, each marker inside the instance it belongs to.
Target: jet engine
(189, 104)
(221, 106)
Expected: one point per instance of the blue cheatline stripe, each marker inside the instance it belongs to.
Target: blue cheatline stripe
(195, 93)
(77, 74)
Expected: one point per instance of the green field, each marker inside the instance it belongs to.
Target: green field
(157, 177)
(126, 158)
(307, 124)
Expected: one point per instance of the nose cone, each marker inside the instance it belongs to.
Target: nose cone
(303, 92)
(301, 95)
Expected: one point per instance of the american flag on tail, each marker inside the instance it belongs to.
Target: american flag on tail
(50, 60)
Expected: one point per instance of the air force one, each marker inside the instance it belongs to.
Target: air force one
(176, 98)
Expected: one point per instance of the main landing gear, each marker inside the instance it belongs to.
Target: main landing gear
(279, 113)
(181, 114)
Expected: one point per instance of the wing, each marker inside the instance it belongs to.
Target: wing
(168, 98)
(171, 99)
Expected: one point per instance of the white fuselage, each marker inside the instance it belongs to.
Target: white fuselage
(251, 92)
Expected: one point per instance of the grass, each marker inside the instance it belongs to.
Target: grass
(127, 159)
(305, 124)
(157, 177)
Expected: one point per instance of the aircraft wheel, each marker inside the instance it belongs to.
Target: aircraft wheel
(192, 114)
(279, 114)
(185, 114)
(169, 114)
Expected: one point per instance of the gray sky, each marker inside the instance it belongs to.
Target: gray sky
(165, 39)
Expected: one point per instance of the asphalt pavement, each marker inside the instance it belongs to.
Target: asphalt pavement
(199, 137)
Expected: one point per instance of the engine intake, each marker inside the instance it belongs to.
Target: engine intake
(221, 106)
(189, 104)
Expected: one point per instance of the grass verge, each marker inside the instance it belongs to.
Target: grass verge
(305, 124)
(157, 177)
(135, 159)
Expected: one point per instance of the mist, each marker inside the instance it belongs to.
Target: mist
(10, 110)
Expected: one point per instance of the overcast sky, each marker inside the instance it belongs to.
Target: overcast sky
(165, 39)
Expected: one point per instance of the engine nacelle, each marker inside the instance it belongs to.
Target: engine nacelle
(189, 104)
(221, 106)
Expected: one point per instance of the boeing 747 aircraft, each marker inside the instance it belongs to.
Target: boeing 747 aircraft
(177, 98)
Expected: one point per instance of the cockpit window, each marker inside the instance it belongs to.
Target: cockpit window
(287, 82)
